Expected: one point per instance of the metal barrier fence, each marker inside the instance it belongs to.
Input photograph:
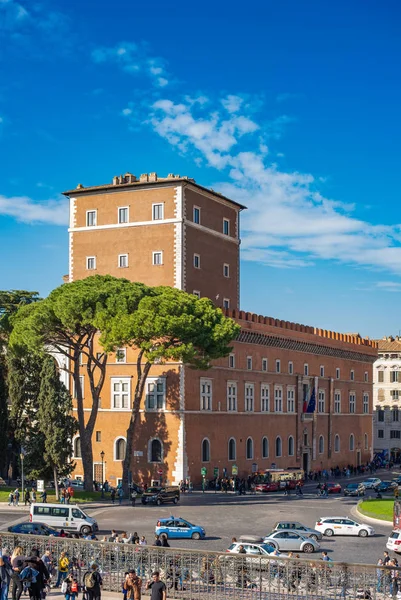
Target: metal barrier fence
(192, 574)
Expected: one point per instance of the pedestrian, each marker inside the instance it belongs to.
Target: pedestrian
(70, 586)
(164, 541)
(26, 498)
(113, 495)
(157, 587)
(48, 562)
(120, 494)
(132, 586)
(93, 583)
(386, 558)
(380, 576)
(396, 493)
(17, 563)
(10, 498)
(133, 497)
(36, 589)
(157, 541)
(43, 497)
(142, 541)
(63, 564)
(16, 497)
(6, 573)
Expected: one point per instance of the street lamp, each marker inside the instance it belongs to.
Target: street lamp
(22, 456)
(102, 457)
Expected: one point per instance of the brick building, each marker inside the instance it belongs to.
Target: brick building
(249, 408)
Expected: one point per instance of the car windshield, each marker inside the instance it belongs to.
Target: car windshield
(352, 485)
(267, 548)
(153, 490)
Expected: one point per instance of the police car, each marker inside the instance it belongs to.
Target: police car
(174, 527)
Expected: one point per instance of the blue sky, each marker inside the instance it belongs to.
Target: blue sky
(292, 108)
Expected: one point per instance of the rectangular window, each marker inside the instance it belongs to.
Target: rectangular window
(157, 258)
(74, 391)
(226, 226)
(123, 214)
(380, 416)
(249, 397)
(197, 214)
(380, 433)
(352, 375)
(337, 402)
(197, 261)
(264, 364)
(321, 371)
(278, 399)
(277, 366)
(91, 218)
(121, 355)
(120, 393)
(290, 368)
(394, 378)
(395, 415)
(226, 270)
(264, 398)
(337, 373)
(156, 393)
(226, 303)
(395, 394)
(249, 363)
(395, 434)
(98, 436)
(157, 212)
(366, 403)
(290, 400)
(366, 377)
(196, 293)
(352, 403)
(321, 402)
(306, 369)
(231, 396)
(231, 361)
(123, 260)
(206, 394)
(380, 376)
(91, 263)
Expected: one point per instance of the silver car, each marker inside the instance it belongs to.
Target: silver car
(290, 540)
(302, 529)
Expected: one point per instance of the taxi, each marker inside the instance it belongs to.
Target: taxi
(343, 526)
(174, 527)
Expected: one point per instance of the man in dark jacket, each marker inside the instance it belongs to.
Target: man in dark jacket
(36, 588)
(6, 572)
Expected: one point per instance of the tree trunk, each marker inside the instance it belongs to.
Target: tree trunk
(55, 473)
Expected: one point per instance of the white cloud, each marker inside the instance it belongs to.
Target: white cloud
(231, 103)
(389, 286)
(26, 210)
(126, 112)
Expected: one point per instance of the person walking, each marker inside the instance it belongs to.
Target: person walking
(48, 562)
(16, 497)
(120, 494)
(6, 573)
(113, 495)
(17, 563)
(132, 586)
(10, 498)
(157, 587)
(26, 497)
(396, 493)
(43, 497)
(63, 564)
(93, 583)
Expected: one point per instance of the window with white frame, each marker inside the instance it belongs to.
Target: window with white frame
(77, 452)
(290, 368)
(197, 261)
(279, 447)
(157, 258)
(337, 443)
(278, 399)
(352, 375)
(290, 399)
(380, 433)
(196, 293)
(396, 415)
(338, 373)
(120, 393)
(321, 371)
(155, 451)
(205, 394)
(232, 449)
(365, 403)
(120, 446)
(249, 448)
(352, 402)
(394, 376)
(290, 446)
(395, 394)
(91, 263)
(265, 447)
(123, 261)
(264, 397)
(278, 366)
(321, 444)
(121, 355)
(226, 270)
(249, 363)
(91, 218)
(205, 450)
(123, 214)
(366, 377)
(380, 376)
(321, 402)
(155, 393)
(74, 390)
(264, 364)
(306, 369)
(196, 215)
(226, 226)
(231, 361)
(226, 302)
(157, 212)
(249, 397)
(351, 442)
(231, 395)
(337, 401)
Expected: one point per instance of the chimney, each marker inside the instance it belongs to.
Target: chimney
(115, 180)
(170, 176)
(143, 177)
(80, 186)
(129, 178)
(152, 176)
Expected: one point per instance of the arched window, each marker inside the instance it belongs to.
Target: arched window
(155, 451)
(120, 448)
(265, 447)
(337, 443)
(290, 446)
(279, 447)
(205, 450)
(366, 442)
(77, 448)
(351, 442)
(232, 449)
(321, 444)
(249, 448)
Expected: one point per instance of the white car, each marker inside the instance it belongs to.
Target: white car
(394, 541)
(371, 483)
(343, 526)
(254, 548)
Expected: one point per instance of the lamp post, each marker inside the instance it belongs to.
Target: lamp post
(102, 457)
(22, 456)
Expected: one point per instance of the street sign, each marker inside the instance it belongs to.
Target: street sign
(234, 470)
(254, 468)
(203, 471)
(138, 453)
(216, 471)
(40, 485)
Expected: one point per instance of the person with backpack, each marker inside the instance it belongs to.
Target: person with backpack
(28, 577)
(63, 564)
(93, 583)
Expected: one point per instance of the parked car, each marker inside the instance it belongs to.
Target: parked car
(386, 486)
(354, 489)
(394, 541)
(161, 495)
(255, 548)
(397, 480)
(33, 529)
(267, 487)
(179, 528)
(371, 483)
(288, 539)
(343, 526)
(297, 526)
(334, 488)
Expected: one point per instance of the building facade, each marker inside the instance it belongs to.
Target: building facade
(288, 395)
(386, 398)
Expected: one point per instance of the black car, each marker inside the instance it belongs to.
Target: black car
(161, 495)
(354, 489)
(33, 529)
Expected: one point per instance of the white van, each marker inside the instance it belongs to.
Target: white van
(63, 516)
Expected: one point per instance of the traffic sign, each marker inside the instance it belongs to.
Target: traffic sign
(203, 471)
(234, 470)
(160, 471)
(216, 471)
(254, 468)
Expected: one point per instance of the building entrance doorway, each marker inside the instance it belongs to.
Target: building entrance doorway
(358, 458)
(305, 462)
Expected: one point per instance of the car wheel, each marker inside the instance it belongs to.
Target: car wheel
(195, 535)
(308, 548)
(329, 532)
(363, 533)
(158, 502)
(85, 530)
(314, 537)
(175, 500)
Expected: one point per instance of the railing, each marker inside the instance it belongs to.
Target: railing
(194, 574)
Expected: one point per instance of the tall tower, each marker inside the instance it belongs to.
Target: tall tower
(160, 231)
